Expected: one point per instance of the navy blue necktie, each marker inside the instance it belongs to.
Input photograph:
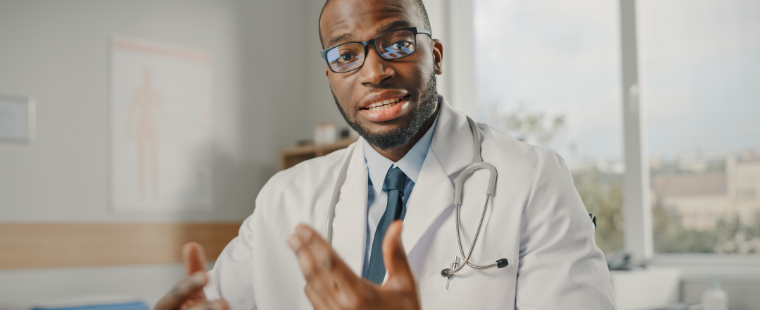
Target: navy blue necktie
(395, 181)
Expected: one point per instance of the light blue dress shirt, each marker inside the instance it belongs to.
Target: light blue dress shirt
(377, 196)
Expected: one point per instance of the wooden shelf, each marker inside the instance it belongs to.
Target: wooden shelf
(292, 156)
(57, 245)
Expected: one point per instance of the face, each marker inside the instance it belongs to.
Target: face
(386, 101)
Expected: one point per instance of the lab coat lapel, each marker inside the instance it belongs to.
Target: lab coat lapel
(450, 152)
(432, 194)
(350, 221)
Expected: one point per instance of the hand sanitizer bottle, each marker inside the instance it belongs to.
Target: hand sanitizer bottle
(714, 298)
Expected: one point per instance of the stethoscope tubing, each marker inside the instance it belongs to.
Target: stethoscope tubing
(477, 163)
(474, 240)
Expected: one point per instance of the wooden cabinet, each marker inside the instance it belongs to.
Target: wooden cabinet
(292, 156)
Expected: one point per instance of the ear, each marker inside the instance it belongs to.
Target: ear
(438, 56)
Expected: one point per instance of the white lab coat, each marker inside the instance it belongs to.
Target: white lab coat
(535, 219)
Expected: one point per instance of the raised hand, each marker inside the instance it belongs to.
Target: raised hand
(330, 284)
(188, 293)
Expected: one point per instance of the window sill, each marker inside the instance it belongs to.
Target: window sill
(701, 267)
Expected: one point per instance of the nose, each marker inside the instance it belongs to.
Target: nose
(375, 69)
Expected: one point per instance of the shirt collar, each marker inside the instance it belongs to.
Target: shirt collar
(411, 164)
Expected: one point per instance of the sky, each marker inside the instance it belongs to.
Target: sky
(699, 67)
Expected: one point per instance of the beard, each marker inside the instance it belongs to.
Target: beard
(404, 133)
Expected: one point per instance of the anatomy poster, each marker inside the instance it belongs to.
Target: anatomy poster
(161, 129)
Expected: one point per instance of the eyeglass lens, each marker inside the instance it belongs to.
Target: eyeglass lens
(392, 45)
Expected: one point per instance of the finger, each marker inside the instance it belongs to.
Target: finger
(219, 304)
(322, 259)
(327, 276)
(305, 257)
(187, 289)
(194, 258)
(315, 288)
(399, 273)
(318, 284)
(327, 260)
(318, 298)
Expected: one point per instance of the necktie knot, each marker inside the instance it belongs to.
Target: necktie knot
(395, 180)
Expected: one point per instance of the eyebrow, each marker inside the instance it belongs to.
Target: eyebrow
(387, 27)
(343, 37)
(398, 24)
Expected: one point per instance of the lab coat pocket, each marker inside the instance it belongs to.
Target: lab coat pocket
(492, 288)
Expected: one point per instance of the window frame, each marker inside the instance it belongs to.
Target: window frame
(458, 84)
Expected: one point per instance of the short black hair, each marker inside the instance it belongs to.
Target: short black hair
(417, 3)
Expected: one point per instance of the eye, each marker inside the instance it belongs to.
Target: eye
(346, 57)
(401, 44)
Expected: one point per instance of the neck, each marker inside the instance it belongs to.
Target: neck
(397, 153)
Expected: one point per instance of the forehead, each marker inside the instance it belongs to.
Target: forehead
(360, 20)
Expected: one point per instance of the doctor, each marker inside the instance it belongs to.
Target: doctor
(381, 63)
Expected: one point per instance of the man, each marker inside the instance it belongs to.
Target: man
(381, 65)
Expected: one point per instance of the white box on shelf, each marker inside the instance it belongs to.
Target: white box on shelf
(648, 288)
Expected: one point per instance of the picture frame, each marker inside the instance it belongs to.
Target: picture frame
(17, 119)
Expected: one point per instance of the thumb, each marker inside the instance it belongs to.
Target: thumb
(194, 258)
(399, 273)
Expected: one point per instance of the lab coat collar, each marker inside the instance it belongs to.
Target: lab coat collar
(450, 152)
(452, 141)
(377, 166)
(349, 222)
(411, 164)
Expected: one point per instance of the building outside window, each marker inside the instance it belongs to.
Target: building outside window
(699, 65)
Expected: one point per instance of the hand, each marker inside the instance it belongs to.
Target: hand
(188, 294)
(330, 284)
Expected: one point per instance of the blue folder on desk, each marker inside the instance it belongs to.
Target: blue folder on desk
(115, 306)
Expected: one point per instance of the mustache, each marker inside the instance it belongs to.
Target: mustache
(376, 89)
(401, 135)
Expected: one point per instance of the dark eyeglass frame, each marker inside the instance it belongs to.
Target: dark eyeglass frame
(415, 31)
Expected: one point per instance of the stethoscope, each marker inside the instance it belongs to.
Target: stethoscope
(476, 163)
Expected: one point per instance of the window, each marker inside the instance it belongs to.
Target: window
(548, 73)
(699, 65)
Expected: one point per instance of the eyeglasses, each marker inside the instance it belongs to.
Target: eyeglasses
(391, 45)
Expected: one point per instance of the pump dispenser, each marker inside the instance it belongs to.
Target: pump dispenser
(714, 298)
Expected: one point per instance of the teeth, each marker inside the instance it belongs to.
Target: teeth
(382, 105)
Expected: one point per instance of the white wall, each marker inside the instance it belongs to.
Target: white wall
(322, 108)
(276, 93)
(58, 52)
(439, 12)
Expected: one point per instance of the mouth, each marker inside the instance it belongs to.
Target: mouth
(383, 110)
(383, 104)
